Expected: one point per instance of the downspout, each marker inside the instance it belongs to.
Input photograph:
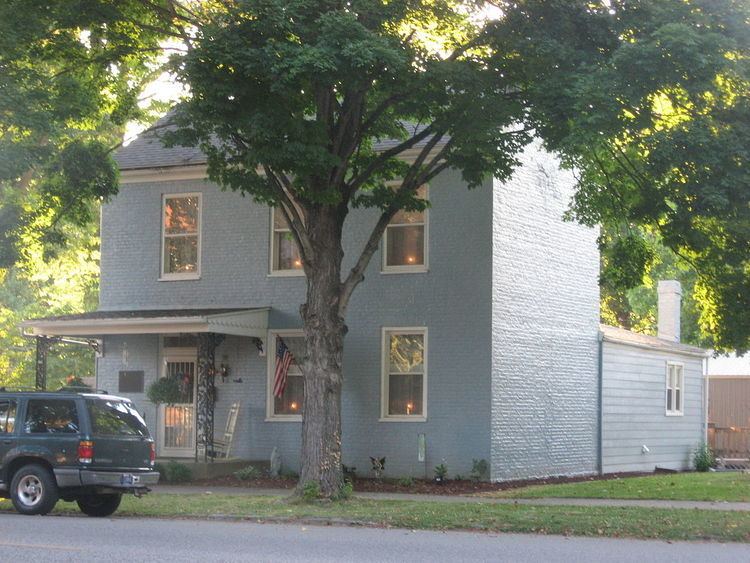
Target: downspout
(706, 387)
(600, 409)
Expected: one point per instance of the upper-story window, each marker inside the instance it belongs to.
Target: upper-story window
(405, 240)
(285, 257)
(675, 389)
(181, 232)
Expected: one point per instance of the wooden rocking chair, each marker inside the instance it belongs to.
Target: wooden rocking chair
(223, 448)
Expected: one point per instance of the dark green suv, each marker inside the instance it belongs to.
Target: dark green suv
(84, 447)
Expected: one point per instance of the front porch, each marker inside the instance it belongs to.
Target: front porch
(192, 438)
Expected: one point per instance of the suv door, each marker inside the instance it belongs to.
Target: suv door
(51, 429)
(8, 410)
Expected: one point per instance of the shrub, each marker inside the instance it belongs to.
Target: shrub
(345, 491)
(248, 473)
(311, 491)
(406, 482)
(441, 472)
(161, 468)
(165, 390)
(458, 477)
(177, 472)
(480, 469)
(703, 458)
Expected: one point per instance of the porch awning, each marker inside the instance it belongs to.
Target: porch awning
(239, 322)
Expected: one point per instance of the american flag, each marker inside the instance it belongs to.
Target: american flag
(283, 360)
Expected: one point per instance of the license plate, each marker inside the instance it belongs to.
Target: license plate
(129, 479)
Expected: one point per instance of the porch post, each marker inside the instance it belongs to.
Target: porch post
(42, 347)
(206, 394)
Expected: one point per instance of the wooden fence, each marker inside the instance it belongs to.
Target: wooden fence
(729, 443)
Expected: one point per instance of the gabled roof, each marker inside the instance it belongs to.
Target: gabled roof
(623, 336)
(251, 322)
(147, 150)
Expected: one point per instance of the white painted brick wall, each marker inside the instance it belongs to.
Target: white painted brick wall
(545, 303)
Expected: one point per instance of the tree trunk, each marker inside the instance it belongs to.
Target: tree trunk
(322, 369)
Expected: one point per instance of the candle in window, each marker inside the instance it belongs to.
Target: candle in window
(298, 263)
(410, 259)
(293, 406)
(409, 408)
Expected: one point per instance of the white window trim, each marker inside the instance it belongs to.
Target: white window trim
(385, 362)
(681, 410)
(291, 273)
(164, 276)
(417, 268)
(271, 368)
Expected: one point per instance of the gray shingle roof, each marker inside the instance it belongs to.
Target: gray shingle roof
(622, 336)
(148, 151)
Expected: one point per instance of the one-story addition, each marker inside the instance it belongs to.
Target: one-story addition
(475, 336)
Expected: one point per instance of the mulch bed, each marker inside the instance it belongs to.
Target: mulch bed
(419, 486)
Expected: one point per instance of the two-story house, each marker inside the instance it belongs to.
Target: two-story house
(474, 336)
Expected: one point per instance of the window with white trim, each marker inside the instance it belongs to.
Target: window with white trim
(181, 234)
(404, 378)
(675, 389)
(285, 256)
(289, 405)
(405, 240)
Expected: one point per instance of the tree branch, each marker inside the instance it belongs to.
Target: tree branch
(292, 215)
(385, 155)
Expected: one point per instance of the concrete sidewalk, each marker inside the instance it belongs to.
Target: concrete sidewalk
(678, 504)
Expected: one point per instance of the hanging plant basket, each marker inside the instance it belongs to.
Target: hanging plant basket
(164, 391)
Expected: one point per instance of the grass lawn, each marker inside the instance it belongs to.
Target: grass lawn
(677, 486)
(584, 521)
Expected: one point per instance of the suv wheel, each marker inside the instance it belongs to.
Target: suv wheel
(99, 505)
(33, 490)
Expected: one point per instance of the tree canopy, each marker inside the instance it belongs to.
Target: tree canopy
(650, 102)
(647, 101)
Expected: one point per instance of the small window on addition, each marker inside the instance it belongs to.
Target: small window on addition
(285, 256)
(675, 389)
(404, 381)
(405, 240)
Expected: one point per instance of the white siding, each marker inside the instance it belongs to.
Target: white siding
(634, 410)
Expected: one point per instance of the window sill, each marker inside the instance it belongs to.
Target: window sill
(403, 419)
(405, 270)
(674, 413)
(287, 274)
(282, 418)
(190, 277)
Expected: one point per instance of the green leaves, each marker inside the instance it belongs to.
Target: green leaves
(649, 101)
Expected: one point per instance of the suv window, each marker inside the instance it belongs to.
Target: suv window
(115, 418)
(51, 416)
(7, 416)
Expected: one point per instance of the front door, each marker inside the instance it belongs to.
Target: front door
(177, 421)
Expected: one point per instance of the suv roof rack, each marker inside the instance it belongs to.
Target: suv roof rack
(81, 389)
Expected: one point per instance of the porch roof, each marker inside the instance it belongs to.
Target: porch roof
(251, 322)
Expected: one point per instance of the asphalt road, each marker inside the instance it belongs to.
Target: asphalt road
(80, 539)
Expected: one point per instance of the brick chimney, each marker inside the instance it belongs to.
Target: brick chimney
(670, 298)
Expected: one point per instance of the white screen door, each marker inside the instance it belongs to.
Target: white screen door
(177, 421)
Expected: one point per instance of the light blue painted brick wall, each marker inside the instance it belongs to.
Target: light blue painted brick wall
(545, 303)
(452, 300)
